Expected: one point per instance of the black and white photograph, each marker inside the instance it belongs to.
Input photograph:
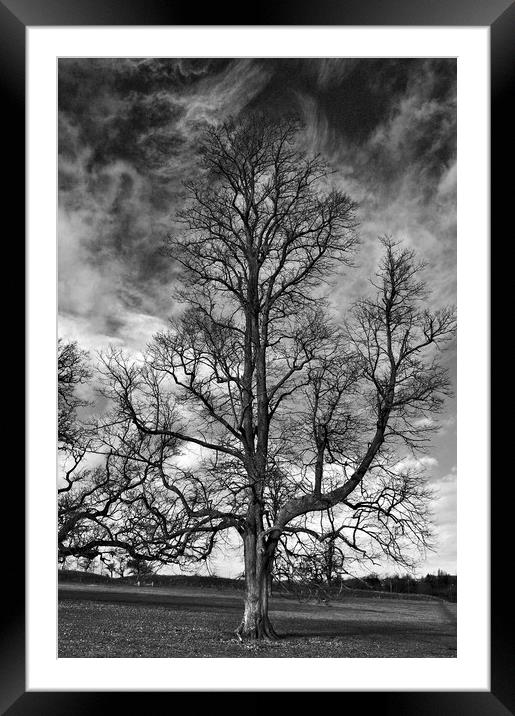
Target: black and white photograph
(257, 424)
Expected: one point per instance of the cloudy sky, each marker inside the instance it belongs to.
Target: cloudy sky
(128, 131)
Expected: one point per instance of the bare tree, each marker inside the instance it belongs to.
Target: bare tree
(93, 494)
(140, 568)
(118, 503)
(72, 372)
(86, 563)
(120, 565)
(283, 423)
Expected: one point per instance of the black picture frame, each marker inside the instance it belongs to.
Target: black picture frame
(499, 16)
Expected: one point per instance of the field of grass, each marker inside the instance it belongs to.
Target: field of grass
(127, 621)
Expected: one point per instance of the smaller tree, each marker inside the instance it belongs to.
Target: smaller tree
(372, 580)
(62, 561)
(121, 565)
(108, 559)
(72, 372)
(86, 563)
(141, 568)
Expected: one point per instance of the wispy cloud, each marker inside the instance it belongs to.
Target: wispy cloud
(128, 135)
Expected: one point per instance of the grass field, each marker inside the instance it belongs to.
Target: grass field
(124, 621)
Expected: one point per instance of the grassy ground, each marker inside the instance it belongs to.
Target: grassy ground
(98, 621)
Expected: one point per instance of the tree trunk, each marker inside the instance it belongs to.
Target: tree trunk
(255, 623)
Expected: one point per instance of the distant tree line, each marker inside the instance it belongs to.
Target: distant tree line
(441, 584)
(320, 585)
(111, 564)
(317, 585)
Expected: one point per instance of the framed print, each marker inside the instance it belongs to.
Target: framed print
(195, 450)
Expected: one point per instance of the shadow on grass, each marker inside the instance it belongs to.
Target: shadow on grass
(184, 603)
(378, 631)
